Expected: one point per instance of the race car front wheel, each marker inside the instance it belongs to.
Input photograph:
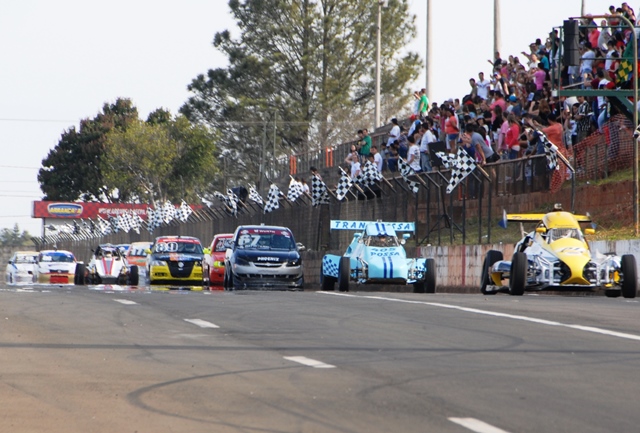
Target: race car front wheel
(629, 276)
(326, 282)
(134, 276)
(344, 273)
(430, 277)
(79, 277)
(491, 257)
(518, 278)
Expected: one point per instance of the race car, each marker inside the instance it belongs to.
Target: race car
(21, 267)
(176, 260)
(263, 257)
(214, 262)
(377, 256)
(55, 267)
(137, 255)
(108, 265)
(555, 256)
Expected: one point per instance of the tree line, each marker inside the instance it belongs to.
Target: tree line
(300, 76)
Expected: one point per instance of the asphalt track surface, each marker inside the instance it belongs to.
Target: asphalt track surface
(118, 359)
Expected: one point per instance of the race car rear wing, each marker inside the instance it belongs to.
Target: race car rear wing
(537, 217)
(361, 225)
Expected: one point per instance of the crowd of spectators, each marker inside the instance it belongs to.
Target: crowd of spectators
(495, 120)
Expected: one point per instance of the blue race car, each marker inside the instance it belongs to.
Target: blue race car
(377, 256)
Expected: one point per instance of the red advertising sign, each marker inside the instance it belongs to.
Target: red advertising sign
(87, 210)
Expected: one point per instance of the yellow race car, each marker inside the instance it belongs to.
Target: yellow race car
(555, 256)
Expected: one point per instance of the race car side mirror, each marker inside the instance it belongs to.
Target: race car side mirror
(589, 231)
(541, 230)
(206, 251)
(406, 236)
(147, 251)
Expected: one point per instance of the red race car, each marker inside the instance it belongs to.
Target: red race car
(214, 262)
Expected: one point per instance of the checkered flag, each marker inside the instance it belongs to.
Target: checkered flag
(168, 212)
(461, 165)
(273, 199)
(230, 201)
(255, 196)
(406, 171)
(448, 160)
(319, 193)
(183, 212)
(369, 175)
(344, 184)
(104, 228)
(154, 219)
(113, 224)
(123, 223)
(136, 222)
(295, 190)
(550, 150)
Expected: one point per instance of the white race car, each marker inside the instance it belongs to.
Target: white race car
(107, 266)
(55, 267)
(21, 267)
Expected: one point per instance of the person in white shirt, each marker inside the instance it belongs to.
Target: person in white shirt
(394, 134)
(483, 86)
(377, 158)
(354, 161)
(427, 137)
(413, 155)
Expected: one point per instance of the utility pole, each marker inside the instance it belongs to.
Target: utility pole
(376, 118)
(496, 26)
(428, 54)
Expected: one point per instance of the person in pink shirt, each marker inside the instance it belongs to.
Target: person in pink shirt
(498, 101)
(539, 76)
(512, 139)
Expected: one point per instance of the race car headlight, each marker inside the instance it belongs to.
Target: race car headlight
(240, 261)
(198, 264)
(218, 264)
(158, 263)
(294, 262)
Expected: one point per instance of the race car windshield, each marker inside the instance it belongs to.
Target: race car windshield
(178, 247)
(25, 259)
(223, 245)
(266, 241)
(381, 241)
(58, 258)
(555, 234)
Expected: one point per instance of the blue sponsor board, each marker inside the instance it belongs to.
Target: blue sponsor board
(361, 225)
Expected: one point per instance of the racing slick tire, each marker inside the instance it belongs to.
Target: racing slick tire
(79, 277)
(206, 277)
(225, 279)
(430, 277)
(612, 293)
(327, 283)
(629, 276)
(491, 257)
(344, 272)
(518, 278)
(418, 287)
(134, 276)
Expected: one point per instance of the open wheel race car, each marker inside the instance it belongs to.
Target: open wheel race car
(377, 256)
(555, 256)
(108, 265)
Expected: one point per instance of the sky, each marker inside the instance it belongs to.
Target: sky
(62, 60)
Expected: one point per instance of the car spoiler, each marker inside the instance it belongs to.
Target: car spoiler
(361, 225)
(537, 217)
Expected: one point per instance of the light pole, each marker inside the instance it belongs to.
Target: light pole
(376, 119)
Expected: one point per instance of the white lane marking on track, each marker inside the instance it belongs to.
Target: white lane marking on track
(201, 323)
(309, 362)
(476, 425)
(504, 315)
(126, 302)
